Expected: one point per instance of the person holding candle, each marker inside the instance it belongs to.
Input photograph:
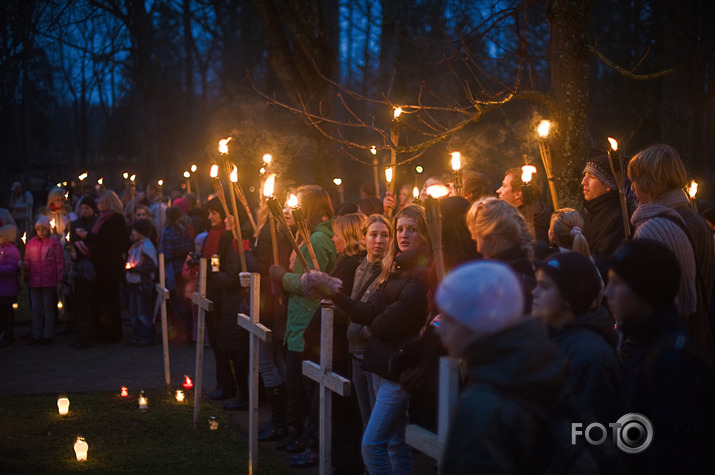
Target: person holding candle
(511, 191)
(141, 266)
(58, 211)
(45, 269)
(659, 176)
(9, 282)
(318, 211)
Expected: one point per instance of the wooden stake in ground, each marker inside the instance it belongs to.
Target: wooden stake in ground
(205, 305)
(427, 442)
(162, 294)
(328, 381)
(258, 332)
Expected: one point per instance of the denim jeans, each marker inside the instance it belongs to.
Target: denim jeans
(364, 390)
(44, 303)
(140, 311)
(384, 449)
(271, 364)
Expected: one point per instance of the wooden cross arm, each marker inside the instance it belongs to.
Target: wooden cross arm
(202, 302)
(331, 380)
(258, 329)
(424, 441)
(162, 292)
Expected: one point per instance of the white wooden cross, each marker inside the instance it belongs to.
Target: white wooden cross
(162, 295)
(328, 381)
(205, 305)
(258, 332)
(427, 442)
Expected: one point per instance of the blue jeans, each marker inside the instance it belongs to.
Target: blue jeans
(384, 449)
(364, 390)
(271, 364)
(43, 305)
(140, 311)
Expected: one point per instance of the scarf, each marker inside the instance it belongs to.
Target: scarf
(103, 216)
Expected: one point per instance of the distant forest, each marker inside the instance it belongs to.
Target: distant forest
(150, 87)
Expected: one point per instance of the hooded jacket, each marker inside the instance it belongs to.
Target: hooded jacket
(44, 262)
(300, 308)
(588, 344)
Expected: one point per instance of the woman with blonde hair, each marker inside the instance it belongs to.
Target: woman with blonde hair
(565, 231)
(108, 240)
(501, 234)
(59, 212)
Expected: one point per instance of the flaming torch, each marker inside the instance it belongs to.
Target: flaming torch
(434, 225)
(277, 212)
(545, 151)
(692, 191)
(388, 179)
(235, 188)
(527, 196)
(267, 193)
(234, 178)
(614, 159)
(395, 139)
(416, 196)
(341, 193)
(299, 218)
(375, 173)
(456, 163)
(218, 188)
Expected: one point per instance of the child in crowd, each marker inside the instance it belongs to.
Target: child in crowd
(141, 266)
(9, 282)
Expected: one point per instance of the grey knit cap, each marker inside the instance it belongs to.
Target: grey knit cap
(600, 167)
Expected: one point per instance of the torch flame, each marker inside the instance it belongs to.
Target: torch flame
(52, 223)
(292, 201)
(415, 192)
(338, 181)
(24, 238)
(614, 144)
(456, 161)
(187, 174)
(234, 174)
(160, 182)
(67, 195)
(419, 169)
(396, 113)
(223, 145)
(269, 185)
(543, 128)
(388, 174)
(133, 177)
(373, 150)
(437, 191)
(193, 168)
(125, 175)
(693, 189)
(100, 181)
(214, 171)
(83, 176)
(267, 158)
(526, 172)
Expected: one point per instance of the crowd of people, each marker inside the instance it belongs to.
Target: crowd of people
(556, 316)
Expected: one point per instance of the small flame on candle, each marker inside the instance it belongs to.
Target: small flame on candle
(223, 145)
(100, 181)
(24, 238)
(194, 168)
(187, 174)
(292, 201)
(53, 223)
(59, 304)
(83, 176)
(543, 128)
(614, 144)
(269, 185)
(526, 172)
(388, 174)
(437, 191)
(125, 175)
(338, 181)
(80, 449)
(396, 113)
(373, 150)
(234, 174)
(67, 236)
(693, 189)
(124, 392)
(187, 384)
(415, 193)
(132, 178)
(127, 265)
(267, 158)
(179, 395)
(15, 305)
(214, 171)
(160, 182)
(456, 161)
(67, 195)
(64, 183)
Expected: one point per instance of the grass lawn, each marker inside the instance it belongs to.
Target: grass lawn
(34, 438)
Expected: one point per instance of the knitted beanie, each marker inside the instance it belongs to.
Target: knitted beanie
(650, 269)
(485, 296)
(600, 168)
(576, 278)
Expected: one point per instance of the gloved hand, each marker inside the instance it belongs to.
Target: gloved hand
(277, 273)
(245, 278)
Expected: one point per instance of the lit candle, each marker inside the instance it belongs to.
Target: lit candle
(692, 191)
(187, 384)
(83, 176)
(213, 423)
(179, 395)
(24, 238)
(416, 196)
(142, 401)
(63, 406)
(124, 392)
(80, 449)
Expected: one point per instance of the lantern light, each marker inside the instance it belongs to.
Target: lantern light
(125, 175)
(179, 395)
(419, 169)
(187, 384)
(160, 182)
(213, 423)
(543, 128)
(80, 449)
(337, 181)
(63, 406)
(526, 172)
(142, 401)
(437, 191)
(124, 392)
(24, 238)
(187, 174)
(194, 168)
(373, 150)
(14, 305)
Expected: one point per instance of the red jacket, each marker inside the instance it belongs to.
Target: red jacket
(44, 262)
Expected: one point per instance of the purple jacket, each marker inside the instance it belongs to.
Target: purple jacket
(44, 262)
(9, 270)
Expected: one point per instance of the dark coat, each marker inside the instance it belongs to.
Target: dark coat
(108, 246)
(665, 378)
(273, 308)
(603, 225)
(519, 262)
(396, 311)
(588, 344)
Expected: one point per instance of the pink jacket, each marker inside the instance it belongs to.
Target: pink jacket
(9, 270)
(44, 262)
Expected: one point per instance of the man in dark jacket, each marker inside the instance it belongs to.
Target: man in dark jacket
(511, 191)
(665, 376)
